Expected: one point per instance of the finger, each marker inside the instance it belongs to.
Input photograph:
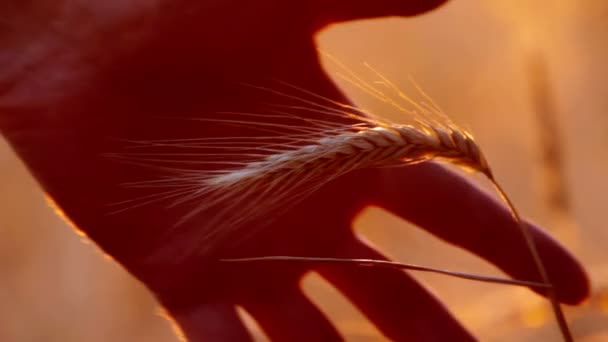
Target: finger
(286, 314)
(211, 322)
(450, 207)
(401, 308)
(342, 10)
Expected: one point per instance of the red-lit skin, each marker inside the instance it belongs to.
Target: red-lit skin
(130, 66)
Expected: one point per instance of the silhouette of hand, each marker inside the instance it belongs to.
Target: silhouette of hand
(76, 75)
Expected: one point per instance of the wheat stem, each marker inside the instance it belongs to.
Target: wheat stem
(262, 177)
(391, 264)
(527, 234)
(381, 146)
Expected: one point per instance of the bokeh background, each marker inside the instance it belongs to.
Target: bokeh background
(530, 79)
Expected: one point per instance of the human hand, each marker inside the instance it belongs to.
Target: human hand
(106, 71)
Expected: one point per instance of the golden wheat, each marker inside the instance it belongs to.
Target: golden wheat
(299, 171)
(269, 175)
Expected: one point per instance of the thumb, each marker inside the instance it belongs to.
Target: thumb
(344, 10)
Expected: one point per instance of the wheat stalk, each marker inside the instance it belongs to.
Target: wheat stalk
(393, 264)
(379, 146)
(273, 173)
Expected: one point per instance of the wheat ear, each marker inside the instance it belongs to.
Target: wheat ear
(386, 145)
(273, 173)
(379, 146)
(299, 171)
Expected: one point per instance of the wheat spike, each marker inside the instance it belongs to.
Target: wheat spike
(272, 173)
(264, 185)
(372, 147)
(255, 178)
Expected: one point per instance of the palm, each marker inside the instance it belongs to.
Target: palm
(189, 62)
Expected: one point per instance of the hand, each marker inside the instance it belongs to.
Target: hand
(113, 70)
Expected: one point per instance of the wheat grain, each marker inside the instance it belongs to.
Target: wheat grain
(372, 147)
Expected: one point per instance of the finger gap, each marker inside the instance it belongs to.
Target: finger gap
(347, 318)
(252, 325)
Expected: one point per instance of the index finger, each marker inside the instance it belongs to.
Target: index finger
(453, 209)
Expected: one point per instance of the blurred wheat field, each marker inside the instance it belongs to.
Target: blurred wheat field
(473, 58)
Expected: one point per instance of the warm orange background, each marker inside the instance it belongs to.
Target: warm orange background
(472, 57)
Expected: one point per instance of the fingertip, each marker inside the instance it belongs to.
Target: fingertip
(566, 273)
(474, 220)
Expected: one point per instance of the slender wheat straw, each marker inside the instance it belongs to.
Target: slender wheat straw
(393, 264)
(261, 176)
